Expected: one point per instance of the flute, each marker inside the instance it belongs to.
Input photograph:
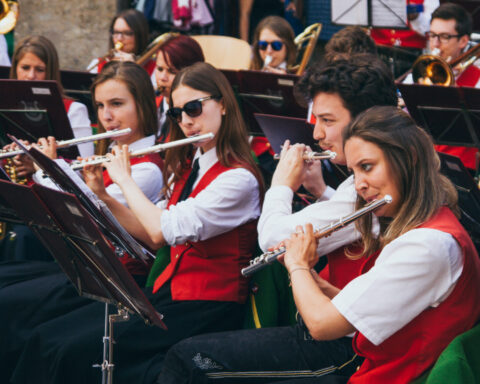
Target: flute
(76, 165)
(68, 143)
(269, 257)
(309, 156)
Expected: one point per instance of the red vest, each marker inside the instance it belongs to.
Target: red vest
(135, 266)
(415, 348)
(67, 103)
(261, 145)
(340, 270)
(149, 66)
(209, 269)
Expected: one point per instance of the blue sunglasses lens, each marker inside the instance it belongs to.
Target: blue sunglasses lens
(276, 45)
(262, 45)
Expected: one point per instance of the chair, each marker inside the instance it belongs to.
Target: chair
(225, 52)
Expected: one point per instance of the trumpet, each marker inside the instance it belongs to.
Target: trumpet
(269, 257)
(68, 143)
(109, 56)
(77, 165)
(309, 156)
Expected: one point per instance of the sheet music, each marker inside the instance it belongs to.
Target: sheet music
(350, 12)
(389, 13)
(384, 13)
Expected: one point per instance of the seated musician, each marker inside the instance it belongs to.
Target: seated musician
(175, 54)
(450, 30)
(349, 40)
(274, 48)
(129, 30)
(32, 293)
(340, 91)
(209, 220)
(35, 58)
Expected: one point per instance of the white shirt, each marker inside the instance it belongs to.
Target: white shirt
(4, 59)
(232, 199)
(277, 222)
(147, 176)
(416, 271)
(80, 123)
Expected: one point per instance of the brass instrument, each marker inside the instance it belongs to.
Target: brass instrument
(77, 165)
(152, 48)
(309, 156)
(269, 257)
(109, 56)
(309, 35)
(435, 70)
(9, 12)
(68, 143)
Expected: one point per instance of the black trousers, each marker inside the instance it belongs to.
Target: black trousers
(259, 356)
(64, 349)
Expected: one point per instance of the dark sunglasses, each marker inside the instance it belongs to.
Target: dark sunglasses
(192, 108)
(276, 45)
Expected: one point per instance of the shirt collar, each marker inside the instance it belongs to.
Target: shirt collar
(207, 159)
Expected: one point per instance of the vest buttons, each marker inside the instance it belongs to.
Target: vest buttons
(176, 256)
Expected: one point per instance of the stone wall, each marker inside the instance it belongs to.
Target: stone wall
(78, 28)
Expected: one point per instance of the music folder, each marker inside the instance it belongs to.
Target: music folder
(33, 109)
(81, 250)
(449, 114)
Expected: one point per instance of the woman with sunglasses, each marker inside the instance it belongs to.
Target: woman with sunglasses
(175, 54)
(209, 221)
(274, 47)
(130, 29)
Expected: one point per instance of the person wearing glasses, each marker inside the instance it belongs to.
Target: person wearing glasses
(130, 28)
(274, 48)
(209, 221)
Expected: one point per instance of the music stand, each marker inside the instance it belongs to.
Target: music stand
(33, 109)
(370, 13)
(77, 85)
(268, 93)
(449, 114)
(81, 250)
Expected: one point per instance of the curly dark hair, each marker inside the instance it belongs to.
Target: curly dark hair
(352, 39)
(360, 80)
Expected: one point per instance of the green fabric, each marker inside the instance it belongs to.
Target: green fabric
(458, 363)
(10, 42)
(273, 298)
(160, 263)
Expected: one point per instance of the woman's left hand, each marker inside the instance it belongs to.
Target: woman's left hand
(119, 167)
(301, 249)
(93, 177)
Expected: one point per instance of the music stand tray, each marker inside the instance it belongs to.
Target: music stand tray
(33, 109)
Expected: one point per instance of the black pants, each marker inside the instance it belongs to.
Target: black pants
(63, 349)
(258, 356)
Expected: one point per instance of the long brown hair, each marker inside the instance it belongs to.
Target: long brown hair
(283, 30)
(415, 167)
(232, 145)
(139, 25)
(140, 87)
(44, 49)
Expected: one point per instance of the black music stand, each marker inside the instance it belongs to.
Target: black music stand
(268, 93)
(70, 182)
(33, 109)
(450, 114)
(468, 194)
(77, 85)
(83, 253)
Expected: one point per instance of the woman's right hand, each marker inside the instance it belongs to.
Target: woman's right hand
(48, 146)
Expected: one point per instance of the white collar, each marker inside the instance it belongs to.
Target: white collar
(206, 160)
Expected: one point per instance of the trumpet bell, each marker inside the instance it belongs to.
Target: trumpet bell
(9, 11)
(432, 69)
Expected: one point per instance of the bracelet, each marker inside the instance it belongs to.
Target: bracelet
(299, 269)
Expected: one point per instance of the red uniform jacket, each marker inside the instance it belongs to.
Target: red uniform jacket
(414, 348)
(209, 269)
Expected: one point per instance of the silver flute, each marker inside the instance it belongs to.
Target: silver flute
(68, 143)
(76, 165)
(308, 155)
(269, 257)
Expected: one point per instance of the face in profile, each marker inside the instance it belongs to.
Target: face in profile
(373, 175)
(124, 34)
(269, 44)
(116, 109)
(197, 113)
(164, 74)
(331, 118)
(30, 67)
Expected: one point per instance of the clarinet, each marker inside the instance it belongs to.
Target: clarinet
(269, 257)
